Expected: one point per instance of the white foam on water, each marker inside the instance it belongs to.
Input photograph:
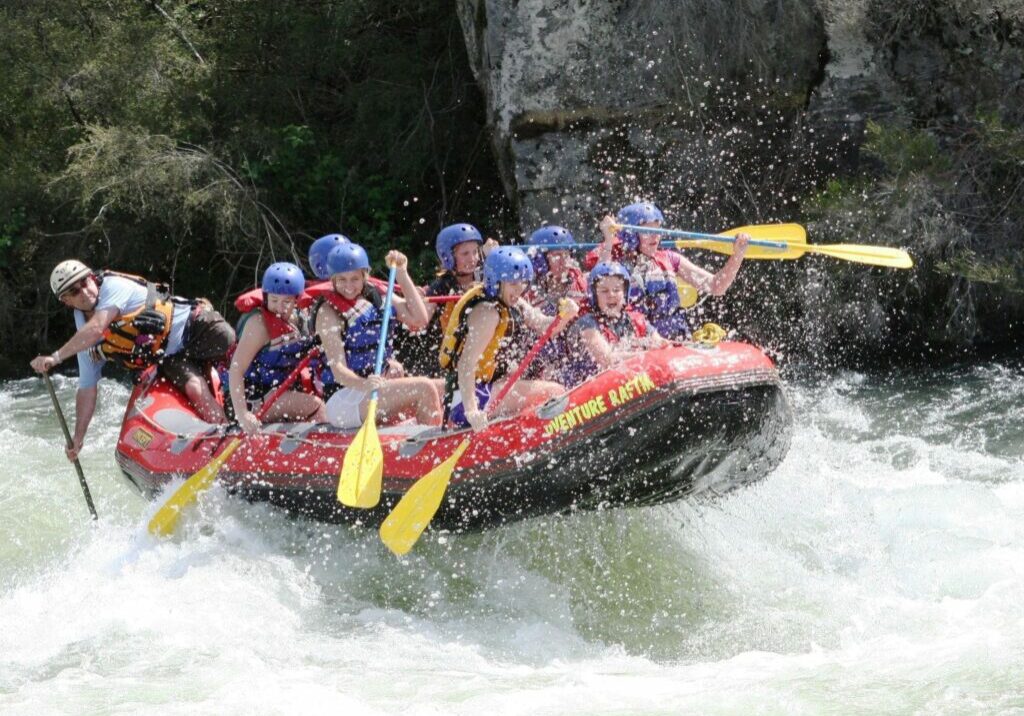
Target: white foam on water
(880, 569)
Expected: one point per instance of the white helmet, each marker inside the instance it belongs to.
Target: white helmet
(66, 274)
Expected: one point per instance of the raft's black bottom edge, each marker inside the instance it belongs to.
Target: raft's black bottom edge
(690, 445)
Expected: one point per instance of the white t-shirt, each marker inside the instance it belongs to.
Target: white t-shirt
(127, 296)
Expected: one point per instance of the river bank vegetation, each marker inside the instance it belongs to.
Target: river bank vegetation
(195, 141)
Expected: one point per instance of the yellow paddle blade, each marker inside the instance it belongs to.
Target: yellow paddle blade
(786, 233)
(753, 252)
(166, 518)
(363, 465)
(418, 506)
(796, 237)
(688, 295)
(790, 233)
(873, 255)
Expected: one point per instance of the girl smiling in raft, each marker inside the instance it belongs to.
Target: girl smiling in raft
(486, 337)
(273, 337)
(348, 320)
(558, 276)
(612, 331)
(654, 270)
(460, 252)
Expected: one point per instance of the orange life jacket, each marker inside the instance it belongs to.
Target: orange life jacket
(489, 368)
(137, 339)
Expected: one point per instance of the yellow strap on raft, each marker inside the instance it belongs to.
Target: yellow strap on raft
(709, 335)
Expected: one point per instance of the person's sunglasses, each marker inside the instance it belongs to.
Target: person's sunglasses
(75, 289)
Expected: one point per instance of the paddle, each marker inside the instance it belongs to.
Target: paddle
(856, 253)
(406, 522)
(772, 239)
(793, 248)
(70, 443)
(166, 518)
(363, 464)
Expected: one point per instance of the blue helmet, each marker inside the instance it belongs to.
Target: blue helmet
(319, 250)
(636, 214)
(347, 257)
(545, 236)
(505, 263)
(604, 269)
(283, 278)
(452, 236)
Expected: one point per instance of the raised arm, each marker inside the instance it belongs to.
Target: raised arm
(718, 283)
(538, 321)
(410, 307)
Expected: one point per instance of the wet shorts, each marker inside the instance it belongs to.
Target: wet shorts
(457, 416)
(343, 408)
(207, 339)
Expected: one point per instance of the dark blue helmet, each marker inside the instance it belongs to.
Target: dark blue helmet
(347, 257)
(546, 236)
(452, 236)
(604, 269)
(319, 251)
(636, 214)
(283, 278)
(505, 263)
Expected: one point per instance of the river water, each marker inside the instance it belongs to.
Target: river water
(880, 569)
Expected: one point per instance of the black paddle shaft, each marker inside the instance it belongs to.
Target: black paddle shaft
(67, 437)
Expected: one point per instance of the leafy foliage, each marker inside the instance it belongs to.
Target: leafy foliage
(197, 141)
(949, 194)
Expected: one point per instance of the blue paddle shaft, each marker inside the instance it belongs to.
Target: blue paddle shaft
(696, 235)
(379, 363)
(780, 245)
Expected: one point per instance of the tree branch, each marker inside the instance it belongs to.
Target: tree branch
(177, 30)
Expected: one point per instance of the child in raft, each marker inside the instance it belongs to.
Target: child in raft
(557, 276)
(654, 270)
(273, 338)
(487, 336)
(460, 251)
(348, 320)
(612, 330)
(320, 249)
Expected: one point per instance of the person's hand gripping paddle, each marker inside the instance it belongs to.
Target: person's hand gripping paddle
(362, 468)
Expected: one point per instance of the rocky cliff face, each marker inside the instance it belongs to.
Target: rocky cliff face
(728, 113)
(589, 98)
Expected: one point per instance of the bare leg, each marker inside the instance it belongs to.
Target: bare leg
(294, 406)
(525, 394)
(198, 393)
(405, 397)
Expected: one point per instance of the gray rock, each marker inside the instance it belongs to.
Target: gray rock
(733, 112)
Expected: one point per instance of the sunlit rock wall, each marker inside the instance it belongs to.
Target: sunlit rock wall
(591, 101)
(728, 113)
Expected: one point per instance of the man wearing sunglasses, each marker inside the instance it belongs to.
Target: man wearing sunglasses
(132, 320)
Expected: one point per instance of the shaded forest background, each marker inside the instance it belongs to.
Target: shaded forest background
(196, 142)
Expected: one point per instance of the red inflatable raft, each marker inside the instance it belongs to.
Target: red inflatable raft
(687, 420)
